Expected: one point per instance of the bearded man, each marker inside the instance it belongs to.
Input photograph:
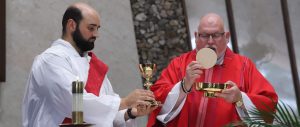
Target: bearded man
(48, 97)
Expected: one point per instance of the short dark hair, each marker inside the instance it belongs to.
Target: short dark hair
(71, 13)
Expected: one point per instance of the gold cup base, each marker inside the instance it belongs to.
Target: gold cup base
(77, 121)
(76, 125)
(210, 88)
(209, 94)
(155, 103)
(77, 117)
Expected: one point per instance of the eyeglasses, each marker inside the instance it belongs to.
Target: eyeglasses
(214, 36)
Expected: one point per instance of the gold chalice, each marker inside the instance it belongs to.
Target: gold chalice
(147, 71)
(210, 88)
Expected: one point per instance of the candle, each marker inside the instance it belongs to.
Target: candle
(77, 103)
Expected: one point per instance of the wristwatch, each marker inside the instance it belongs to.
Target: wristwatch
(239, 103)
(130, 114)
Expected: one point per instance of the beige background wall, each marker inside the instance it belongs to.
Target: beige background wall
(31, 27)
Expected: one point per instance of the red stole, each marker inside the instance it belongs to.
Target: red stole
(96, 75)
(211, 112)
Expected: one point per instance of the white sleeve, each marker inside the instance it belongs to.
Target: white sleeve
(119, 120)
(244, 112)
(107, 112)
(167, 112)
(56, 76)
(100, 110)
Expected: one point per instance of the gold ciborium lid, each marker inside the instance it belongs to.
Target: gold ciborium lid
(210, 88)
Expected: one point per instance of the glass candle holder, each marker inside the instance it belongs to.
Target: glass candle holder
(77, 103)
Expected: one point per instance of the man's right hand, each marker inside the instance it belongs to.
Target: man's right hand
(137, 97)
(193, 71)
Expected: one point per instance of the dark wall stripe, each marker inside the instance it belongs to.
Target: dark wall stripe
(232, 26)
(290, 45)
(2, 41)
(187, 24)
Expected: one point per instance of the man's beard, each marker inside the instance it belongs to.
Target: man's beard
(81, 43)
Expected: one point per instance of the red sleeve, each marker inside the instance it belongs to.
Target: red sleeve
(168, 78)
(259, 90)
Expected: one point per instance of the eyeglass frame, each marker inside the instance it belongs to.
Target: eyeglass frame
(214, 36)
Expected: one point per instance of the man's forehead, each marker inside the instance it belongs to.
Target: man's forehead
(211, 20)
(91, 22)
(89, 18)
(211, 24)
(210, 30)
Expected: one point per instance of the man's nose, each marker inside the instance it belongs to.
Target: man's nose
(96, 34)
(210, 39)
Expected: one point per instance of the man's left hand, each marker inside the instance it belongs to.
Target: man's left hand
(141, 110)
(232, 94)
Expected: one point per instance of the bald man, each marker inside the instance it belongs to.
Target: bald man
(48, 97)
(186, 107)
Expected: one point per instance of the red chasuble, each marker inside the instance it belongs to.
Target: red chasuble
(199, 111)
(96, 75)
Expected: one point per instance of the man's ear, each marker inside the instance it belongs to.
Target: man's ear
(195, 33)
(227, 36)
(71, 24)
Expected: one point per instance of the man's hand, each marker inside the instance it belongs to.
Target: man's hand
(141, 110)
(193, 71)
(137, 97)
(232, 94)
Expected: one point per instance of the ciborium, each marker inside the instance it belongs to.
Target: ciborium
(210, 88)
(207, 57)
(147, 71)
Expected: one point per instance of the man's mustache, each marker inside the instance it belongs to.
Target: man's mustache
(92, 39)
(212, 48)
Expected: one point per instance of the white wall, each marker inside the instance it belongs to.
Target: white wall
(31, 27)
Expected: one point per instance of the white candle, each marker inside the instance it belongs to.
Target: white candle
(77, 106)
